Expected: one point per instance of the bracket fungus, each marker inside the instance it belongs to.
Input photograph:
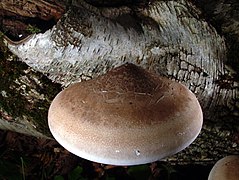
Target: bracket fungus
(128, 116)
(226, 168)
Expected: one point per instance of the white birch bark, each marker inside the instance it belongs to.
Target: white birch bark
(167, 37)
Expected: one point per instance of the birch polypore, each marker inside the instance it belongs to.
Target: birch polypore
(128, 116)
(225, 169)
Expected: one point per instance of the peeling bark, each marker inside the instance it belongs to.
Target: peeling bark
(34, 9)
(168, 37)
(18, 18)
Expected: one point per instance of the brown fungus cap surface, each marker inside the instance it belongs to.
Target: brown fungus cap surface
(226, 168)
(128, 116)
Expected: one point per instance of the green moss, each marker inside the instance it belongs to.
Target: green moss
(27, 93)
(33, 29)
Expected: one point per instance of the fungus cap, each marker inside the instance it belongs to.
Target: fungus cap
(226, 168)
(128, 116)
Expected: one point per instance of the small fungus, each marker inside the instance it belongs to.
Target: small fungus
(226, 168)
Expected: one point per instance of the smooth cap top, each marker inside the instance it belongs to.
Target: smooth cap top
(128, 116)
(226, 168)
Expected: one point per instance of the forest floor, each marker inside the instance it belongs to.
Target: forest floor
(25, 157)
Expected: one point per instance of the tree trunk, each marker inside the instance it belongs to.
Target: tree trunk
(170, 38)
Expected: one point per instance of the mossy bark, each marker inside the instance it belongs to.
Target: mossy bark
(171, 38)
(25, 96)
